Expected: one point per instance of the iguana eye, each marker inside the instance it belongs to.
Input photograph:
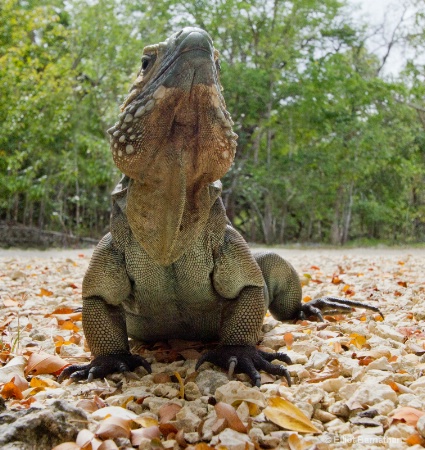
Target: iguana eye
(146, 59)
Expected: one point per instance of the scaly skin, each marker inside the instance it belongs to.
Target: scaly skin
(172, 267)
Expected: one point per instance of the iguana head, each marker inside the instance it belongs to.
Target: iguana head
(176, 105)
(173, 138)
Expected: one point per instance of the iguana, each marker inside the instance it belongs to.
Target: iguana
(172, 266)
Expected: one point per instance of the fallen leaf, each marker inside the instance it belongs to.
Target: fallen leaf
(44, 293)
(181, 384)
(107, 445)
(408, 415)
(84, 438)
(289, 340)
(39, 363)
(336, 280)
(228, 412)
(67, 446)
(114, 427)
(415, 439)
(146, 421)
(402, 283)
(295, 443)
(114, 411)
(138, 435)
(87, 405)
(10, 390)
(287, 415)
(168, 412)
(358, 340)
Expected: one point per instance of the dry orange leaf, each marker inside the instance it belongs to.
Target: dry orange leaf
(336, 280)
(38, 382)
(315, 268)
(68, 325)
(44, 293)
(306, 299)
(358, 340)
(287, 415)
(415, 439)
(289, 340)
(141, 433)
(181, 384)
(10, 390)
(408, 414)
(228, 412)
(402, 283)
(114, 427)
(295, 443)
(39, 363)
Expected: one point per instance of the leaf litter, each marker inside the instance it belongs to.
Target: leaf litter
(357, 380)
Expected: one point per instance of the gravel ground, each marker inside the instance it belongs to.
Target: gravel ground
(357, 380)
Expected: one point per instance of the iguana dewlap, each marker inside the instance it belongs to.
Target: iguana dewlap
(171, 266)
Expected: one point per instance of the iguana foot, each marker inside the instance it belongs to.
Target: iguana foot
(104, 365)
(327, 304)
(246, 359)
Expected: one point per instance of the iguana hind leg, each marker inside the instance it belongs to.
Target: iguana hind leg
(284, 294)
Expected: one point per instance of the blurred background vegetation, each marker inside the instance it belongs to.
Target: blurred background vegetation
(331, 150)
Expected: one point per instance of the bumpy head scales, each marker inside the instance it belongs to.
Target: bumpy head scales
(176, 105)
(173, 139)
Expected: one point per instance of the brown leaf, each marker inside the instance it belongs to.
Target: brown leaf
(114, 427)
(87, 405)
(295, 443)
(228, 412)
(336, 280)
(160, 378)
(167, 428)
(39, 363)
(168, 412)
(402, 284)
(144, 433)
(287, 415)
(408, 415)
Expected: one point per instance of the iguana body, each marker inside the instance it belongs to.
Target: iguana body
(172, 267)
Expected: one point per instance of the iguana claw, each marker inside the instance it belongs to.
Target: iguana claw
(327, 304)
(104, 365)
(247, 359)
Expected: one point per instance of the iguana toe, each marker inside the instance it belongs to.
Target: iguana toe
(246, 359)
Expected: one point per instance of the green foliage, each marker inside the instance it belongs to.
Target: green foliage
(328, 150)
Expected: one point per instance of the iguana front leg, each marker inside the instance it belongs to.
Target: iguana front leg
(105, 286)
(239, 333)
(238, 279)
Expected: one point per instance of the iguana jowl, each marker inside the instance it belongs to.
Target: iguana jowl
(171, 266)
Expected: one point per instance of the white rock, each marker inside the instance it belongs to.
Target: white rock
(310, 393)
(304, 348)
(71, 350)
(333, 384)
(384, 407)
(386, 331)
(232, 440)
(235, 392)
(338, 426)
(380, 364)
(187, 420)
(317, 360)
(370, 394)
(13, 367)
(297, 358)
(418, 384)
(420, 425)
(410, 400)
